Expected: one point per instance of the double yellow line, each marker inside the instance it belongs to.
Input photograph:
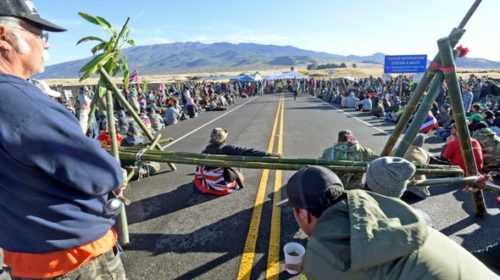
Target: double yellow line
(248, 256)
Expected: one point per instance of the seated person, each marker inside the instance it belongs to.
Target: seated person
(348, 148)
(364, 235)
(134, 136)
(211, 179)
(364, 105)
(105, 139)
(453, 153)
(172, 115)
(490, 146)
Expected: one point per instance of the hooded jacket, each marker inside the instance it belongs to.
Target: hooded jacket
(490, 147)
(370, 236)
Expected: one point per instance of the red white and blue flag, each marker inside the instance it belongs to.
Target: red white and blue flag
(134, 77)
(210, 180)
(429, 124)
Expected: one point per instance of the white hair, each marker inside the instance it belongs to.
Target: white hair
(13, 22)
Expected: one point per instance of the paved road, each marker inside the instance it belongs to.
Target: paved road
(178, 234)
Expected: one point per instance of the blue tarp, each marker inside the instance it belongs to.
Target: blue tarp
(284, 76)
(246, 78)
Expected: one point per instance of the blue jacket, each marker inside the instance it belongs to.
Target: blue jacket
(54, 181)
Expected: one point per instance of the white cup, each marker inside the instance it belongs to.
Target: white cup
(297, 251)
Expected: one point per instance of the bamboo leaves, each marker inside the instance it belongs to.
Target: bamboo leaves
(107, 53)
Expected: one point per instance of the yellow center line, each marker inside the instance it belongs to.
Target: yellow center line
(247, 258)
(273, 267)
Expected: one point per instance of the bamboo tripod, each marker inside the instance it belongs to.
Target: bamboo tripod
(445, 58)
(113, 89)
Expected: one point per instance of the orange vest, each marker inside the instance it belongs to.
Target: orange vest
(53, 264)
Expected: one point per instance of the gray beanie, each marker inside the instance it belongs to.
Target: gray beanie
(389, 175)
(419, 140)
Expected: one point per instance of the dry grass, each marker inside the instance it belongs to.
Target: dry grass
(360, 72)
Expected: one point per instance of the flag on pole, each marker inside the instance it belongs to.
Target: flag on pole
(134, 77)
(429, 124)
(161, 87)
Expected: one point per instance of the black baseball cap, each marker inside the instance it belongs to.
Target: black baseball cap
(25, 9)
(312, 187)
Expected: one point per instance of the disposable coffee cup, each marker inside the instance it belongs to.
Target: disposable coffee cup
(293, 254)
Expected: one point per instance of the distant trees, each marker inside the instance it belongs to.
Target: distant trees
(316, 66)
(354, 65)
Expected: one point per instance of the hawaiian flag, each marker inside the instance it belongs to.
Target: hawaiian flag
(134, 76)
(429, 124)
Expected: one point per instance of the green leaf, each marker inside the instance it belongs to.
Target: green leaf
(89, 18)
(124, 29)
(89, 38)
(94, 65)
(106, 24)
(126, 77)
(99, 47)
(90, 63)
(131, 42)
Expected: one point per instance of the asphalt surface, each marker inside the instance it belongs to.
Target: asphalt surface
(176, 233)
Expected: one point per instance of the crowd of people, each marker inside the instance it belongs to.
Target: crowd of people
(57, 182)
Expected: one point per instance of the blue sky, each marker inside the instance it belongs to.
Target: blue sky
(360, 27)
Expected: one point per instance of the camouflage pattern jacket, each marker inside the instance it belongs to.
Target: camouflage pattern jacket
(349, 151)
(490, 145)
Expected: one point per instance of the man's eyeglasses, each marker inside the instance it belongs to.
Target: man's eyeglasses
(43, 35)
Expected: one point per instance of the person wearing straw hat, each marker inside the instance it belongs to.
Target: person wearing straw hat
(356, 234)
(222, 180)
(54, 181)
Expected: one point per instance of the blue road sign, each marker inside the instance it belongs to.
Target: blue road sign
(405, 63)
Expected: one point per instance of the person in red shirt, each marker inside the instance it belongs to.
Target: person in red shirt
(453, 153)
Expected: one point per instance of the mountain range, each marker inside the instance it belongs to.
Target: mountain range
(191, 57)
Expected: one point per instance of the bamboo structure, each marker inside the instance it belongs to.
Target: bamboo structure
(262, 162)
(123, 223)
(460, 181)
(454, 94)
(454, 37)
(420, 115)
(129, 108)
(303, 161)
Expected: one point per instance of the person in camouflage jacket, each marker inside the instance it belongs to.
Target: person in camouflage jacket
(348, 148)
(490, 145)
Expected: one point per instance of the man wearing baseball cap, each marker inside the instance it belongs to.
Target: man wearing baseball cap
(54, 181)
(356, 234)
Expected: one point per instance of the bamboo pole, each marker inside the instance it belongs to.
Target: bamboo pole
(454, 37)
(460, 181)
(303, 161)
(454, 95)
(129, 108)
(230, 161)
(112, 125)
(93, 106)
(123, 223)
(420, 115)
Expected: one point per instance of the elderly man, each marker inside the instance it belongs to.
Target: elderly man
(54, 182)
(364, 235)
